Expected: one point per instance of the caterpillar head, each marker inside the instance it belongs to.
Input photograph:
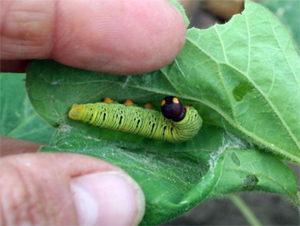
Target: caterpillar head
(172, 108)
(76, 111)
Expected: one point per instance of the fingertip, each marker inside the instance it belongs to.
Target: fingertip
(98, 196)
(120, 36)
(42, 186)
(116, 37)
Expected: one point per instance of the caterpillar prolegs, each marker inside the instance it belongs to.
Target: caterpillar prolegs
(175, 123)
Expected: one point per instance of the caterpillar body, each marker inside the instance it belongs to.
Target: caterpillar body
(176, 123)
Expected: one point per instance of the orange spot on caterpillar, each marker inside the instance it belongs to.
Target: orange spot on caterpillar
(148, 105)
(108, 100)
(128, 102)
(175, 100)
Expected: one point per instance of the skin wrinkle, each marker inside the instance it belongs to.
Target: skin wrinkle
(50, 198)
(19, 194)
(45, 186)
(59, 37)
(42, 191)
(37, 212)
(4, 14)
(26, 26)
(41, 187)
(55, 24)
(33, 212)
(135, 39)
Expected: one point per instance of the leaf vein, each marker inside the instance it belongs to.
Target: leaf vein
(285, 56)
(259, 90)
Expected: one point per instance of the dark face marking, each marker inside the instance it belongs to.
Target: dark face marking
(172, 108)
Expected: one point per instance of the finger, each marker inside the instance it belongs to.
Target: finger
(67, 189)
(119, 37)
(11, 146)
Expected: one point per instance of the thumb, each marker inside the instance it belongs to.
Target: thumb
(67, 189)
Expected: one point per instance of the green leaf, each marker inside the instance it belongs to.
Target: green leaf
(175, 178)
(253, 50)
(254, 172)
(288, 11)
(243, 78)
(18, 118)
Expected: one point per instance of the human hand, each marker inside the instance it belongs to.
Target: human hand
(118, 37)
(64, 189)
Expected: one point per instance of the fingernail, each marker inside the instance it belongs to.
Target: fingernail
(108, 198)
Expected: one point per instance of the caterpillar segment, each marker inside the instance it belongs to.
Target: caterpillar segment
(140, 121)
(129, 102)
(148, 105)
(108, 100)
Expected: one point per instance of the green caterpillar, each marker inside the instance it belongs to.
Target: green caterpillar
(175, 123)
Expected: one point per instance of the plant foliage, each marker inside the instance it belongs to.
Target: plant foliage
(244, 79)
